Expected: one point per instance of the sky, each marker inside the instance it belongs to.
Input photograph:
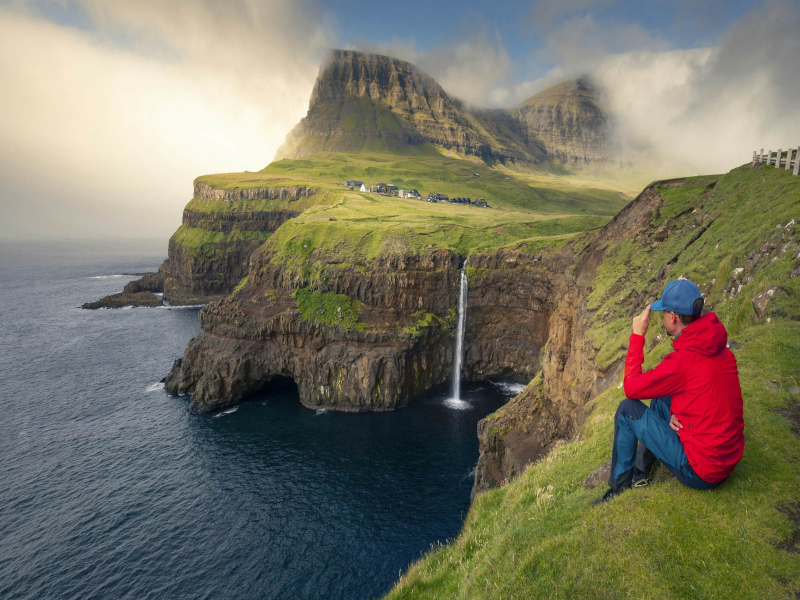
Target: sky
(110, 108)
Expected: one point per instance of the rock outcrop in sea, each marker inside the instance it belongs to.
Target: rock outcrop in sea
(139, 292)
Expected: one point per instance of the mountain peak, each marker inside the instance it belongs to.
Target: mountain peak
(569, 121)
(365, 102)
(350, 73)
(577, 88)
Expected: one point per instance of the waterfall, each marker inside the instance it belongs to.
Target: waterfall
(459, 350)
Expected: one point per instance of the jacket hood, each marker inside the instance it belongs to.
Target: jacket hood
(706, 336)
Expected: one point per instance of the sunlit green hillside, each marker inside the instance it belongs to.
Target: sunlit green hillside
(433, 172)
(539, 537)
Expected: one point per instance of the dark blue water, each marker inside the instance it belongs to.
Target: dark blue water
(110, 488)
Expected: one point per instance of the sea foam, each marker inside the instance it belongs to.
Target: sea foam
(226, 412)
(509, 388)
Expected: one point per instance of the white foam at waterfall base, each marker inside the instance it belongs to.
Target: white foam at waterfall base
(155, 387)
(457, 404)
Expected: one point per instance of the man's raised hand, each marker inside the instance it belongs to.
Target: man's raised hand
(641, 321)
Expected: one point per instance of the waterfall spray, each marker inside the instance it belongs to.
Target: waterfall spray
(459, 350)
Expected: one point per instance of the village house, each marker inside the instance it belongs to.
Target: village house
(364, 187)
(386, 188)
(353, 184)
(409, 194)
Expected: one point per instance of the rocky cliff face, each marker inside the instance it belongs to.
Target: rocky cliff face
(508, 311)
(400, 346)
(208, 256)
(526, 314)
(366, 101)
(553, 406)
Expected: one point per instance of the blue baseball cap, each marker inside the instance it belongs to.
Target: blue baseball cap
(679, 296)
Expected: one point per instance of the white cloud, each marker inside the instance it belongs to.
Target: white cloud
(108, 138)
(706, 110)
(693, 111)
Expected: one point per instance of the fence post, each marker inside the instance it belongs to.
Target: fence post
(754, 159)
(761, 157)
(789, 158)
(778, 159)
(797, 162)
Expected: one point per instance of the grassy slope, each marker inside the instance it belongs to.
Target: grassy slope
(347, 227)
(368, 225)
(432, 172)
(538, 537)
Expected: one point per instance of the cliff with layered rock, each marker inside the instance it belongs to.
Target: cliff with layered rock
(372, 335)
(508, 313)
(356, 301)
(375, 338)
(222, 226)
(554, 404)
(363, 104)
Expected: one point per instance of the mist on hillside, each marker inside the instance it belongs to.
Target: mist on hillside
(108, 117)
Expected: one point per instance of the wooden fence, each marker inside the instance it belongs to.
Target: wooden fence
(779, 159)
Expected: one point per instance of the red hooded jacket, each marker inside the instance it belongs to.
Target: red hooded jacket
(702, 378)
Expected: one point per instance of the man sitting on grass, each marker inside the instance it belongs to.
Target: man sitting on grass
(694, 423)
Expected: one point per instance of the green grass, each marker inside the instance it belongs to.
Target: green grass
(538, 536)
(241, 284)
(201, 241)
(329, 308)
(367, 226)
(529, 211)
(431, 172)
(426, 322)
(742, 209)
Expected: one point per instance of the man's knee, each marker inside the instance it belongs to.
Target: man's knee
(633, 409)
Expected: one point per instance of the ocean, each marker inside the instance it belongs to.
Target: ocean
(111, 488)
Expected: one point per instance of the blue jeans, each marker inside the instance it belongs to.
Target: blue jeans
(642, 435)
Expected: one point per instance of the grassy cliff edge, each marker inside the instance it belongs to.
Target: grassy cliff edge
(538, 537)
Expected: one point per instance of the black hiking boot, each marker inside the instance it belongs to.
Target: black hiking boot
(641, 483)
(606, 497)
